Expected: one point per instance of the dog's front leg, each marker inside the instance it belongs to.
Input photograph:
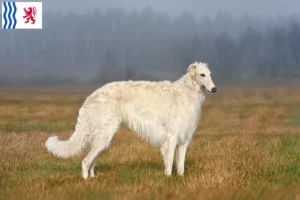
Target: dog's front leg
(181, 152)
(163, 150)
(172, 143)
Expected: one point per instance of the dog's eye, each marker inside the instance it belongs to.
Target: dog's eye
(203, 75)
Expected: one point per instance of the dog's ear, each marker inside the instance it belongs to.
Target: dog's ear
(192, 67)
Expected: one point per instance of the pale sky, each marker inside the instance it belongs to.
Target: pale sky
(199, 8)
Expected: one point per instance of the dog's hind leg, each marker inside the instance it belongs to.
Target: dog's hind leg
(88, 160)
(100, 142)
(92, 167)
(99, 145)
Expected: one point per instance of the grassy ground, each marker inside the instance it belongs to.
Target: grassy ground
(246, 147)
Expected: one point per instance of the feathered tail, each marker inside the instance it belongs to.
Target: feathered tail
(71, 147)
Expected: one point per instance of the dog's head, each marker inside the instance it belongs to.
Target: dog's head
(201, 75)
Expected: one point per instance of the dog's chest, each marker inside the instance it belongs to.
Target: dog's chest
(189, 121)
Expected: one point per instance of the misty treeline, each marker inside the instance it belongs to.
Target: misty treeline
(116, 45)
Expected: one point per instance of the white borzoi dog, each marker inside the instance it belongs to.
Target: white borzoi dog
(165, 114)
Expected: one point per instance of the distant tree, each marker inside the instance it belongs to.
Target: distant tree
(250, 44)
(278, 51)
(227, 56)
(294, 45)
(130, 72)
(108, 70)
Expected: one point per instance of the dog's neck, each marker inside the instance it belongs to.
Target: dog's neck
(188, 81)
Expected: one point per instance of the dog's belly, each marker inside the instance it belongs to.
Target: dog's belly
(149, 126)
(149, 130)
(155, 122)
(156, 131)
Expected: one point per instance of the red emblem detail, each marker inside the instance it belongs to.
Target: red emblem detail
(30, 15)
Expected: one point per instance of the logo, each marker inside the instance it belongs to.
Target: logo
(30, 14)
(21, 15)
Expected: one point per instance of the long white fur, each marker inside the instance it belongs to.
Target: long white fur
(165, 114)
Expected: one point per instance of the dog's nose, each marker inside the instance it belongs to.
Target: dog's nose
(214, 89)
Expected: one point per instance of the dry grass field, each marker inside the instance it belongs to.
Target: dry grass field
(246, 147)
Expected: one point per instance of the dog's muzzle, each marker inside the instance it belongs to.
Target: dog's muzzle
(213, 90)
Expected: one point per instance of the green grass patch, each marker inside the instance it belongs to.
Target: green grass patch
(296, 118)
(289, 173)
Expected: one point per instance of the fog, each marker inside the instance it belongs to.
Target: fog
(102, 41)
